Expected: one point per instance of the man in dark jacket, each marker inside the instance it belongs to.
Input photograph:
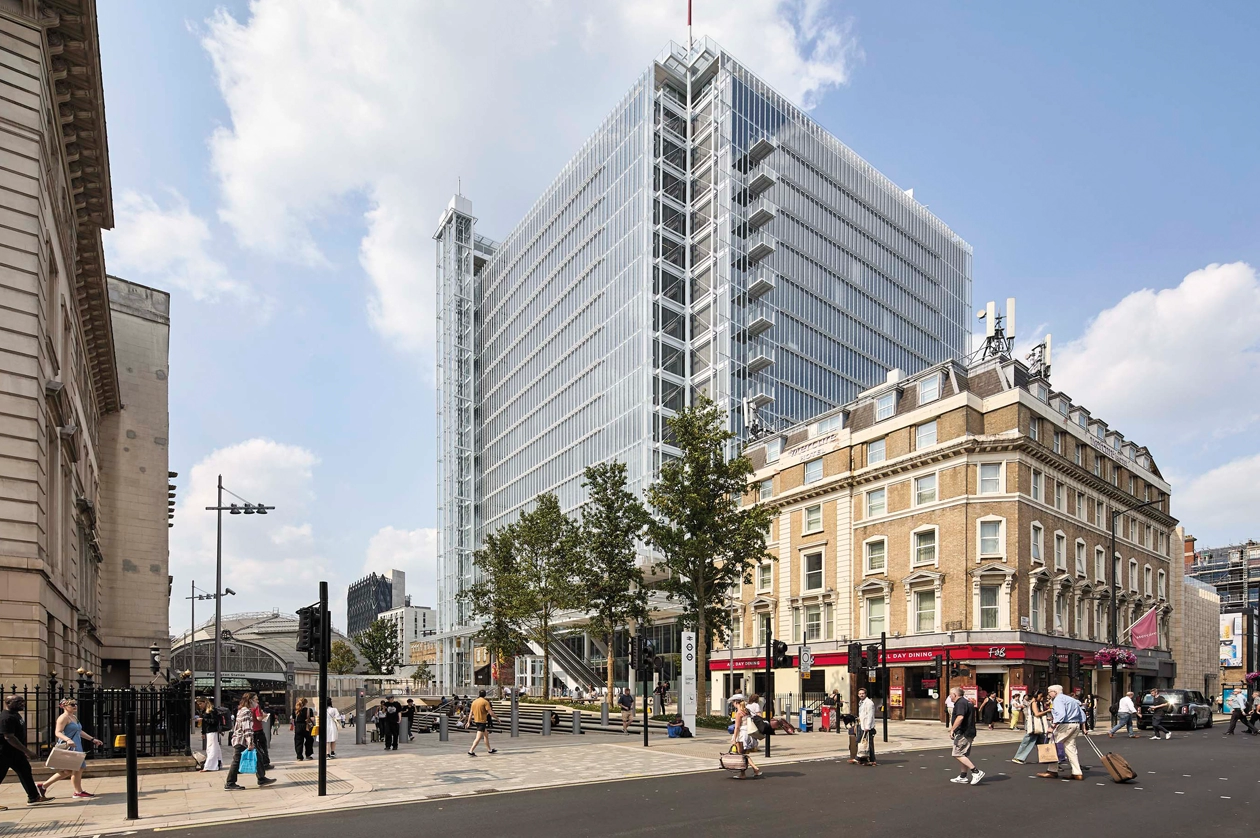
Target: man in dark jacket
(13, 752)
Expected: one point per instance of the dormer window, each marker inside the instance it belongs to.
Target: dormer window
(773, 449)
(828, 425)
(1063, 406)
(885, 406)
(930, 389)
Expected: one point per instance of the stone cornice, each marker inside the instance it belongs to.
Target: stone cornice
(72, 50)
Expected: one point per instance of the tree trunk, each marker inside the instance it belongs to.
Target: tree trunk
(546, 644)
(702, 654)
(608, 673)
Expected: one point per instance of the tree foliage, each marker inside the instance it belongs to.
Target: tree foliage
(707, 541)
(341, 659)
(421, 675)
(611, 582)
(379, 645)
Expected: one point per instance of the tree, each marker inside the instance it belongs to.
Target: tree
(528, 576)
(422, 675)
(492, 598)
(342, 659)
(379, 645)
(612, 589)
(707, 540)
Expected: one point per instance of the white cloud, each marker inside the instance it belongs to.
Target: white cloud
(389, 102)
(1177, 366)
(1219, 507)
(411, 551)
(167, 246)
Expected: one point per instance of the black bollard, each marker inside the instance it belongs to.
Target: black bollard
(133, 773)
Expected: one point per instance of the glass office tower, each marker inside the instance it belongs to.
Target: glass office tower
(710, 237)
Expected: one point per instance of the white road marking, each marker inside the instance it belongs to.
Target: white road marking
(1179, 792)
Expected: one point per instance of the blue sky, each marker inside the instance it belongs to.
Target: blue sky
(280, 168)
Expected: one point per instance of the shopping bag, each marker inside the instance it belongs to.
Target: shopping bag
(733, 761)
(249, 762)
(65, 758)
(315, 730)
(1047, 753)
(863, 748)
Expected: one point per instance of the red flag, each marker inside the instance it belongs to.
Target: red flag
(1145, 632)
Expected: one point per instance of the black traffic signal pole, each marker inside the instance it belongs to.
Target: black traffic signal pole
(643, 673)
(883, 653)
(765, 701)
(322, 717)
(945, 674)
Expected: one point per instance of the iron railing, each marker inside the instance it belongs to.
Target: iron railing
(162, 717)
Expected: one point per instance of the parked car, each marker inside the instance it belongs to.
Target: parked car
(1190, 709)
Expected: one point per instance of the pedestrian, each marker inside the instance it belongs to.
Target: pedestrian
(70, 731)
(949, 706)
(409, 718)
(303, 722)
(275, 722)
(244, 736)
(393, 721)
(744, 740)
(260, 737)
(1238, 712)
(661, 691)
(13, 751)
(866, 726)
(212, 727)
(1035, 727)
(1159, 706)
(626, 702)
(1090, 702)
(480, 715)
(1126, 712)
(962, 730)
(1067, 717)
(1019, 703)
(329, 728)
(988, 709)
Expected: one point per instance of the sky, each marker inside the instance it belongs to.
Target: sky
(279, 166)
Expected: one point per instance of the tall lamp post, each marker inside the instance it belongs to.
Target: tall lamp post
(235, 509)
(1112, 611)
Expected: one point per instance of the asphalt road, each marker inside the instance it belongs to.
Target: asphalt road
(1198, 784)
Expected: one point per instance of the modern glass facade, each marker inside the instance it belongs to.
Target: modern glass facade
(709, 237)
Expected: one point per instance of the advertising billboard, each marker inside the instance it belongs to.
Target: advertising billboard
(1231, 640)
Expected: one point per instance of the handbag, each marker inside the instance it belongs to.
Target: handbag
(1047, 753)
(315, 729)
(732, 761)
(249, 762)
(864, 747)
(64, 757)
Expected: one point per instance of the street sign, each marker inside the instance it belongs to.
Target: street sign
(687, 697)
(807, 660)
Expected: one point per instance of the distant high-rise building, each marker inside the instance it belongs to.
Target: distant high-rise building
(709, 238)
(372, 596)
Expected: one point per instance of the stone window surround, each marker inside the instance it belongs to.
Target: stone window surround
(980, 555)
(819, 547)
(1001, 575)
(919, 581)
(936, 553)
(866, 571)
(868, 590)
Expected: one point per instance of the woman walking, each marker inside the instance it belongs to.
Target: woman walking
(1090, 703)
(71, 732)
(988, 710)
(744, 740)
(242, 741)
(303, 721)
(210, 726)
(329, 728)
(1035, 727)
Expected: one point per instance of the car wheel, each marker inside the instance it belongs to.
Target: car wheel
(1211, 720)
(1194, 722)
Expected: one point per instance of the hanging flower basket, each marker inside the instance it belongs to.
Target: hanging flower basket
(1108, 655)
(1253, 676)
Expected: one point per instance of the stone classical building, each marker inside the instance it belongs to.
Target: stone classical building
(964, 513)
(69, 509)
(1195, 628)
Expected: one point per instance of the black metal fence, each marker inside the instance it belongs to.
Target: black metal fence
(162, 717)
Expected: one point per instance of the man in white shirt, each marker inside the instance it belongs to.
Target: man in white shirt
(1127, 712)
(1238, 712)
(866, 724)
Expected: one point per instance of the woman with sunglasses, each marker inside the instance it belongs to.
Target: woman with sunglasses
(70, 731)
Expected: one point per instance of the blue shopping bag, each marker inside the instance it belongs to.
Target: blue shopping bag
(249, 762)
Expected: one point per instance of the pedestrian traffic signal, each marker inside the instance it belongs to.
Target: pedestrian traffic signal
(1074, 666)
(935, 671)
(855, 658)
(317, 634)
(658, 664)
(1054, 663)
(779, 654)
(872, 655)
(304, 640)
(155, 659)
(636, 652)
(646, 655)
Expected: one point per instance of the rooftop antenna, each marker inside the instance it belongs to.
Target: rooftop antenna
(459, 186)
(999, 332)
(1039, 360)
(689, 42)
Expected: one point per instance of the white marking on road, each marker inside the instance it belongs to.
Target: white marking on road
(1150, 772)
(1099, 784)
(1179, 792)
(1222, 778)
(1223, 797)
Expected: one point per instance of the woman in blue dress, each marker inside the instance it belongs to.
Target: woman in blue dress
(70, 731)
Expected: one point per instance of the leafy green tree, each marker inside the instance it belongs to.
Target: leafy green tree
(493, 598)
(341, 659)
(529, 575)
(421, 675)
(611, 582)
(707, 540)
(379, 645)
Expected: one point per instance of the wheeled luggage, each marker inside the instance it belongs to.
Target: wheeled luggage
(1117, 766)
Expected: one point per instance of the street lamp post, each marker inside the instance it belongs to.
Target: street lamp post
(1112, 608)
(192, 650)
(219, 509)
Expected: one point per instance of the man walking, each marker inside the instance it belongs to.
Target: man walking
(626, 702)
(1126, 711)
(409, 717)
(1159, 706)
(13, 752)
(1067, 716)
(662, 690)
(962, 728)
(260, 737)
(391, 722)
(479, 716)
(1238, 712)
(866, 725)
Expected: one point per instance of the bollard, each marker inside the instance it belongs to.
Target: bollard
(603, 714)
(546, 729)
(444, 733)
(360, 716)
(516, 714)
(133, 774)
(577, 722)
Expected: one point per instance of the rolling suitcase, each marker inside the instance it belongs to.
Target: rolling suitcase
(1116, 765)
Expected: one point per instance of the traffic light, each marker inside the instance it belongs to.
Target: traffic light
(935, 671)
(658, 664)
(872, 656)
(646, 655)
(636, 652)
(155, 659)
(317, 634)
(779, 655)
(1074, 666)
(855, 658)
(304, 638)
(1054, 662)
